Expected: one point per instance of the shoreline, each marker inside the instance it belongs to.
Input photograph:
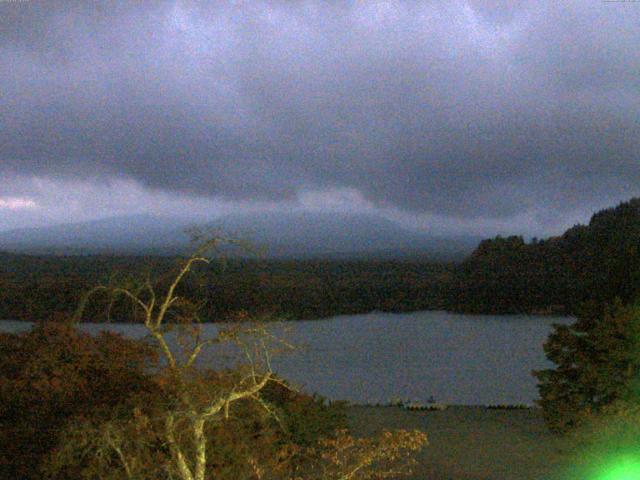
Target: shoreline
(336, 317)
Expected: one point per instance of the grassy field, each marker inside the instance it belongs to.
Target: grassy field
(473, 443)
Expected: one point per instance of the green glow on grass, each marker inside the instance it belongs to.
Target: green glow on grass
(627, 468)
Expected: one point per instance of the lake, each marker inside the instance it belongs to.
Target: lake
(372, 358)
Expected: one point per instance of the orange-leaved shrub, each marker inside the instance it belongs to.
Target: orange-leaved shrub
(53, 373)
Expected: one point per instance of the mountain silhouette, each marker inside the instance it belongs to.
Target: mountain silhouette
(295, 234)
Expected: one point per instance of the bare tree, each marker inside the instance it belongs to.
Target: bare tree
(193, 406)
(196, 400)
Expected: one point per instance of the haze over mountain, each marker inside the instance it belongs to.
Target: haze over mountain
(297, 234)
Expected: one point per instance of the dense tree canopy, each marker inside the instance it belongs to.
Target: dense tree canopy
(59, 387)
(597, 363)
(32, 287)
(596, 263)
(54, 373)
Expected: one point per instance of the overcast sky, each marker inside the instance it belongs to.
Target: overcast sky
(477, 116)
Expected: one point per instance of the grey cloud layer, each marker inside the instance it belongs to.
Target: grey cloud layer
(465, 109)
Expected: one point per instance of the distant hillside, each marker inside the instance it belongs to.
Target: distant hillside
(292, 235)
(132, 234)
(592, 263)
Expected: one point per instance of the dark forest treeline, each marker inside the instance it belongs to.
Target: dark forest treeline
(39, 287)
(594, 263)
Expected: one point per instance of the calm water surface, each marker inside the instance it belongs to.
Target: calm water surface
(457, 359)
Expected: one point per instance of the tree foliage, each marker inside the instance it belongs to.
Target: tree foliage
(33, 287)
(237, 421)
(597, 262)
(53, 374)
(597, 363)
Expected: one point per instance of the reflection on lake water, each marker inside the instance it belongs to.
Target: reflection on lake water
(457, 359)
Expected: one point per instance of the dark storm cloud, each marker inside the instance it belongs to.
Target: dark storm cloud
(466, 109)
